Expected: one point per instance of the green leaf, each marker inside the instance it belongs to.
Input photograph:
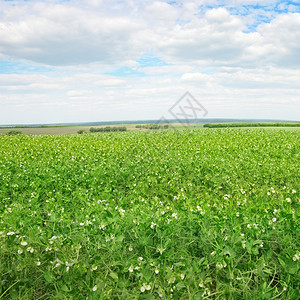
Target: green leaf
(292, 268)
(114, 275)
(282, 262)
(119, 238)
(180, 285)
(49, 276)
(64, 288)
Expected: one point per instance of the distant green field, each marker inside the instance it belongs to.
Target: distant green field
(54, 130)
(244, 124)
(182, 214)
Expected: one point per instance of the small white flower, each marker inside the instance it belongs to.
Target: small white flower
(171, 280)
(142, 289)
(81, 224)
(288, 200)
(20, 251)
(293, 192)
(156, 271)
(213, 253)
(182, 276)
(130, 249)
(174, 215)
(148, 287)
(219, 266)
(152, 225)
(67, 269)
(296, 257)
(160, 250)
(38, 263)
(274, 219)
(10, 233)
(140, 258)
(130, 269)
(94, 268)
(30, 249)
(94, 289)
(23, 243)
(244, 244)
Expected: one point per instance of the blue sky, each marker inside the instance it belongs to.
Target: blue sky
(73, 61)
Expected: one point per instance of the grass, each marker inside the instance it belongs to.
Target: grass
(187, 214)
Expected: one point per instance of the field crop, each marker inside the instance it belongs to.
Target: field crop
(182, 214)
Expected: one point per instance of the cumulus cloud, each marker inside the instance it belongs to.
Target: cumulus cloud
(62, 34)
(71, 34)
(230, 54)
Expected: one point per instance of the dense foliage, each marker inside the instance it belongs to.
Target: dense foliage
(189, 214)
(152, 126)
(14, 132)
(107, 129)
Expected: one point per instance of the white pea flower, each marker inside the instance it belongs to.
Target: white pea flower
(30, 249)
(94, 289)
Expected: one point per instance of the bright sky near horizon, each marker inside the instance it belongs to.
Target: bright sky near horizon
(97, 60)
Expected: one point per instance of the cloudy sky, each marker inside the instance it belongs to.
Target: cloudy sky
(100, 60)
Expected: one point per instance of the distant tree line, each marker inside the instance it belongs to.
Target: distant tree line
(107, 129)
(14, 132)
(152, 126)
(224, 125)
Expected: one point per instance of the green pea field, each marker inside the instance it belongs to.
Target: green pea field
(185, 214)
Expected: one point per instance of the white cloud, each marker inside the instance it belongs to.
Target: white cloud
(209, 52)
(61, 34)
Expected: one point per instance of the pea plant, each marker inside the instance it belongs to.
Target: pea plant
(182, 214)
